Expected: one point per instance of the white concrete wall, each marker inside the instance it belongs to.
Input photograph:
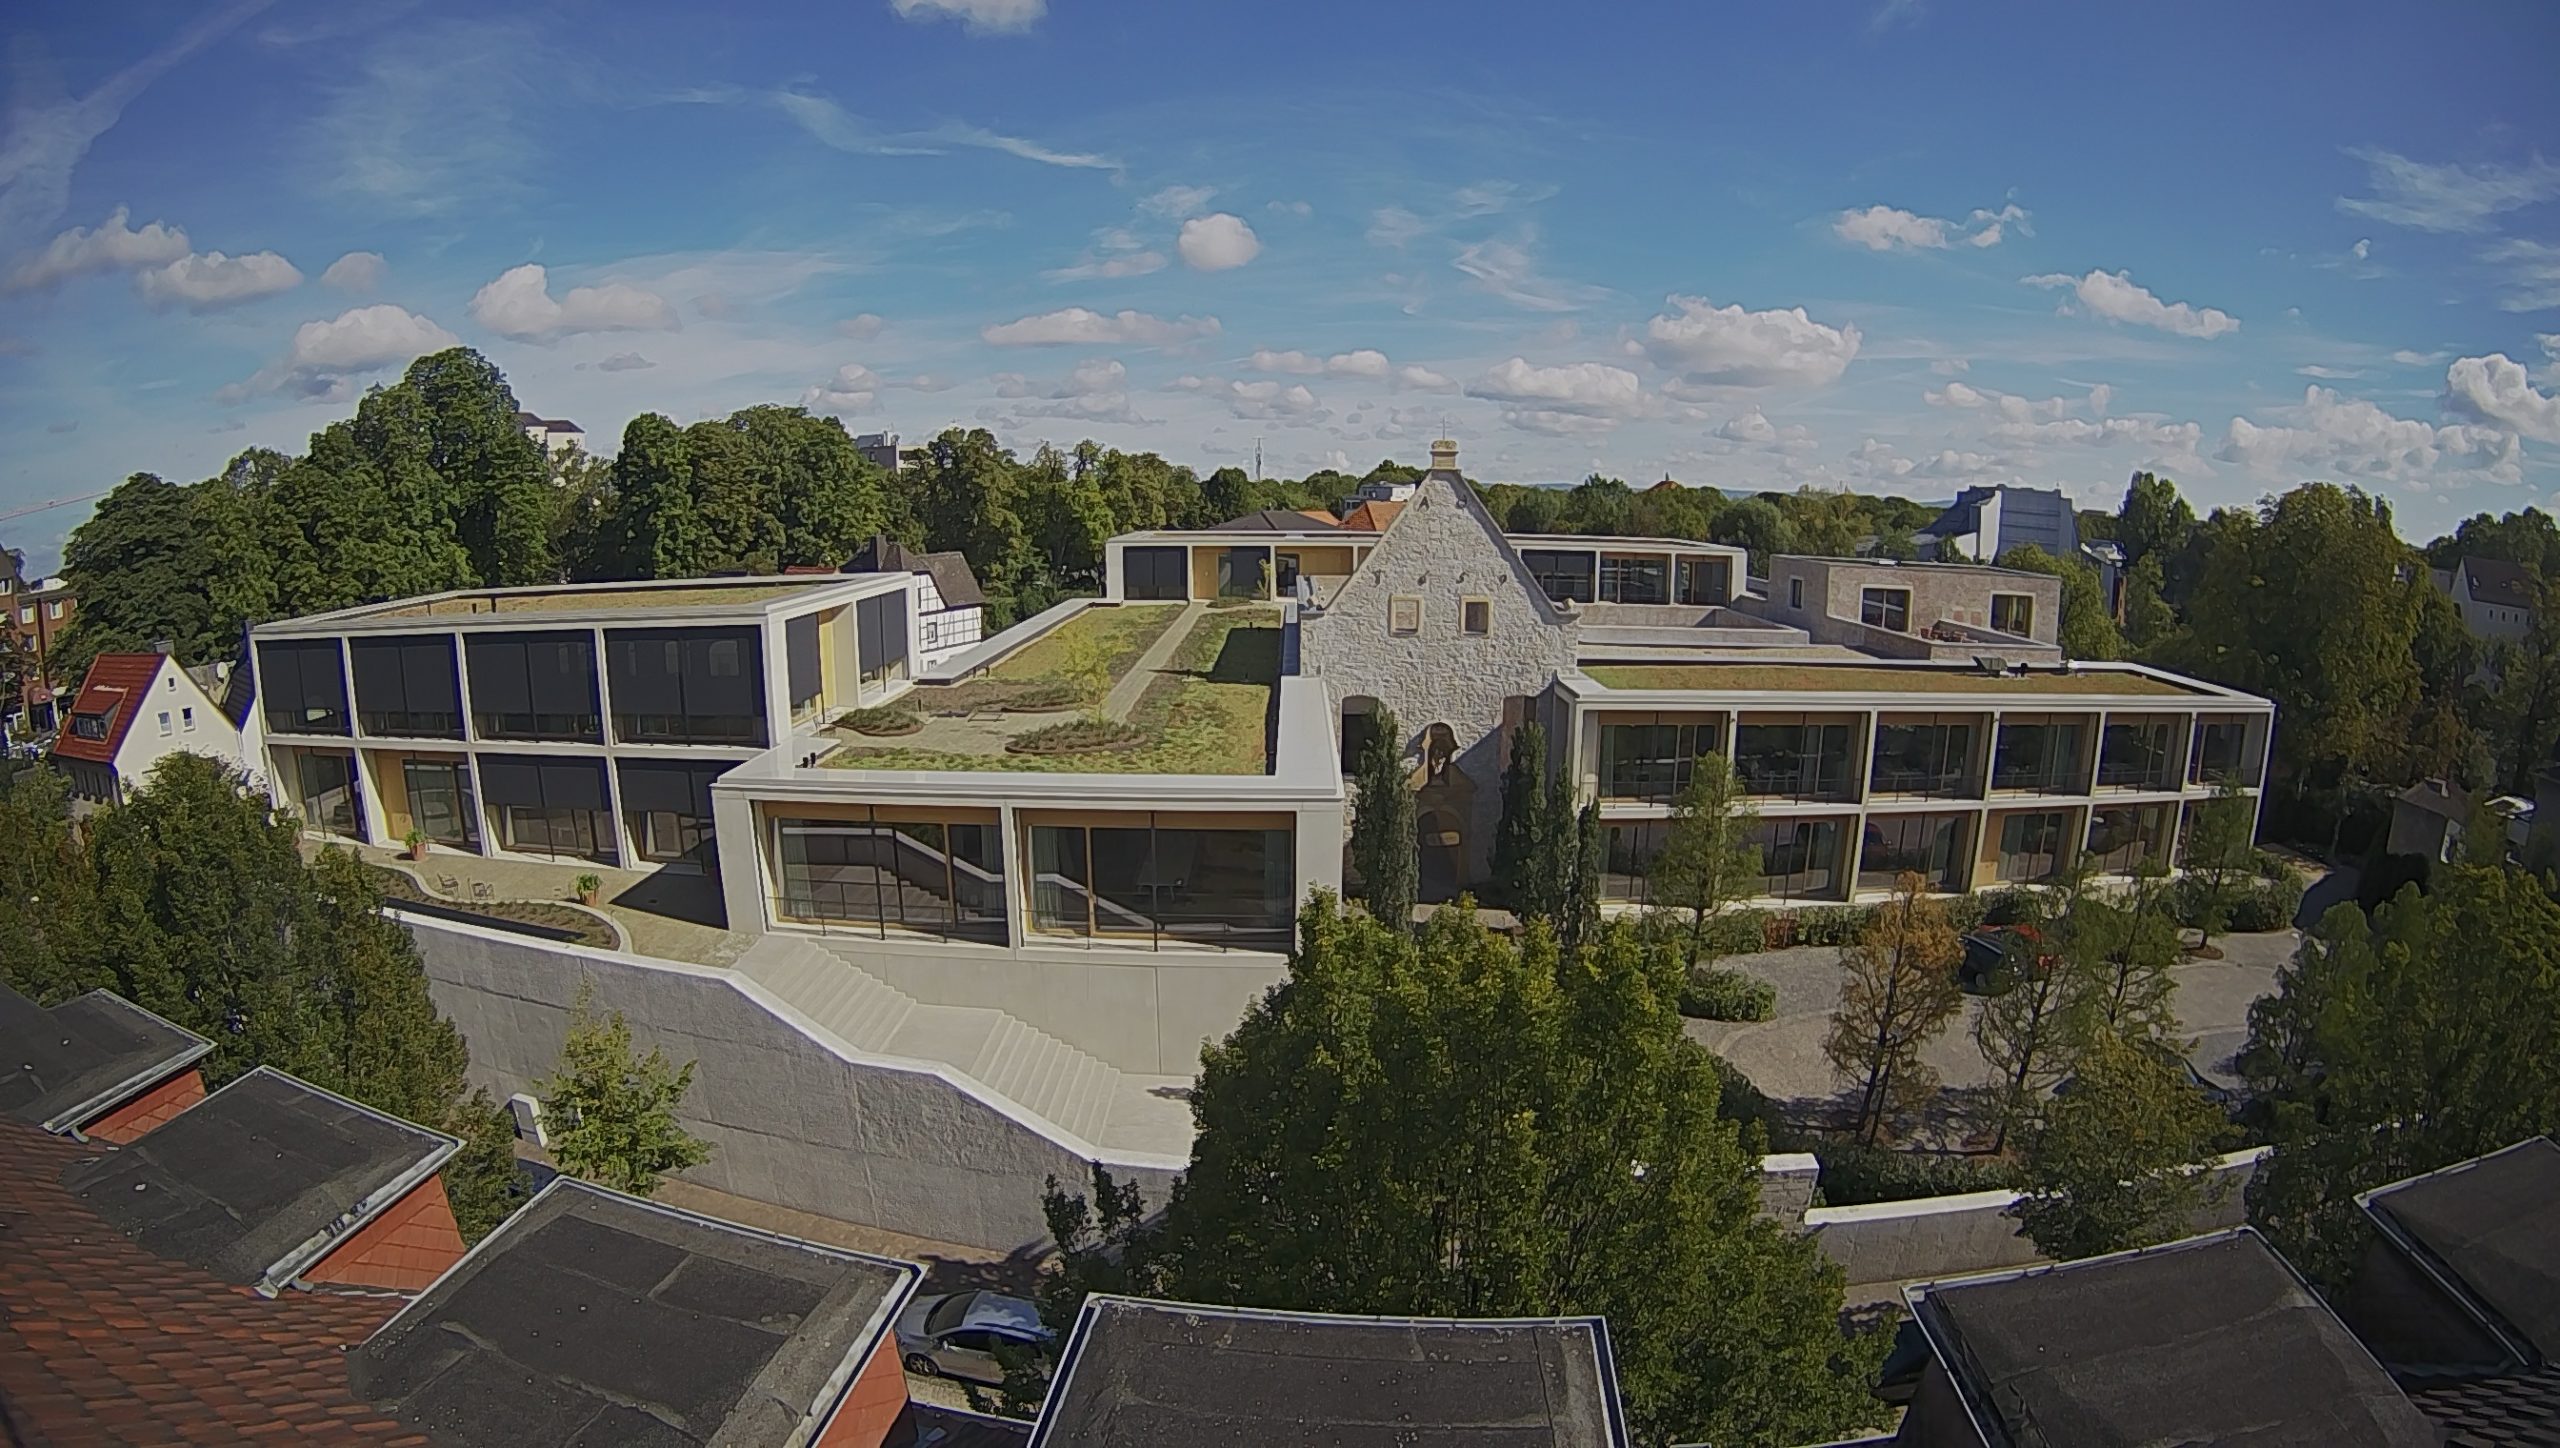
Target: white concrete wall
(793, 1116)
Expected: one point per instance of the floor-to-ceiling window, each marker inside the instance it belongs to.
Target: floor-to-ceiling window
(1799, 859)
(1566, 575)
(1652, 760)
(2124, 839)
(2221, 751)
(1155, 573)
(2136, 753)
(537, 686)
(549, 806)
(1706, 580)
(2033, 845)
(324, 791)
(2042, 756)
(1925, 757)
(880, 628)
(406, 686)
(687, 685)
(666, 805)
(1634, 578)
(1626, 870)
(1157, 877)
(934, 872)
(1794, 758)
(440, 807)
(1929, 845)
(302, 686)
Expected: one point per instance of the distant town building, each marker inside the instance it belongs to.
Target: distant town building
(883, 450)
(1381, 490)
(554, 435)
(132, 711)
(1983, 523)
(36, 613)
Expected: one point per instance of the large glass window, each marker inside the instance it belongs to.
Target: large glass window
(1158, 879)
(667, 805)
(2221, 751)
(1634, 580)
(2014, 613)
(534, 686)
(2124, 839)
(2134, 754)
(802, 670)
(1653, 761)
(923, 871)
(1706, 580)
(2040, 756)
(2032, 845)
(686, 686)
(1931, 845)
(1155, 573)
(1799, 859)
(1794, 759)
(325, 792)
(1626, 870)
(1924, 758)
(406, 686)
(304, 686)
(1885, 608)
(880, 625)
(1565, 574)
(440, 805)
(547, 806)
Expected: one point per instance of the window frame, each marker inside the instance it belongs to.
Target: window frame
(2019, 603)
(1879, 602)
(1399, 605)
(1795, 593)
(1475, 617)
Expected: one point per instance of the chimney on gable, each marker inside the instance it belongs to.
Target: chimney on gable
(1444, 455)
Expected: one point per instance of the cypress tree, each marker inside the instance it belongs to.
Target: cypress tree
(1384, 846)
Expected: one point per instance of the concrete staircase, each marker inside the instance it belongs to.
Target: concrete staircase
(1036, 1072)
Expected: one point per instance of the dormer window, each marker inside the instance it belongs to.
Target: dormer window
(89, 726)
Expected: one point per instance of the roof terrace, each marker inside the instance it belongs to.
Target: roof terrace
(688, 597)
(1810, 676)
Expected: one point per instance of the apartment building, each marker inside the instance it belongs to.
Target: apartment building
(34, 613)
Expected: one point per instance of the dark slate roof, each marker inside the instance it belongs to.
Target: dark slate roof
(102, 1342)
(922, 1425)
(2489, 1228)
(2495, 580)
(1142, 1374)
(259, 1179)
(590, 1317)
(1274, 520)
(950, 571)
(2210, 1340)
(2439, 797)
(63, 1068)
(2521, 1410)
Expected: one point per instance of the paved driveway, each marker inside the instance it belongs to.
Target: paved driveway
(1783, 1055)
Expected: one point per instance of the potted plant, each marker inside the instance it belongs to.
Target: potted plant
(590, 886)
(416, 843)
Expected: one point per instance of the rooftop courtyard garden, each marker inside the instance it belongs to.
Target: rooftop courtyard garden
(1877, 678)
(1200, 705)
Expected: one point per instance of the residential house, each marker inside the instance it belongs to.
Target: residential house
(883, 450)
(950, 606)
(2428, 820)
(556, 436)
(95, 1066)
(1137, 1373)
(1985, 522)
(131, 712)
(33, 615)
(2497, 599)
(1380, 490)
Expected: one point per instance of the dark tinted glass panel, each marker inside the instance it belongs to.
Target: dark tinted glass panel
(406, 687)
(1635, 580)
(533, 686)
(1924, 759)
(548, 806)
(1655, 761)
(1155, 573)
(1230, 887)
(2031, 846)
(304, 685)
(686, 686)
(1706, 580)
(2219, 754)
(1799, 859)
(2122, 841)
(2044, 758)
(800, 654)
(1886, 608)
(2135, 755)
(1631, 848)
(326, 787)
(1794, 761)
(440, 804)
(1567, 577)
(881, 625)
(1930, 845)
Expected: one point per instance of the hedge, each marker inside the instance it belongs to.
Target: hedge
(1715, 994)
(1853, 1174)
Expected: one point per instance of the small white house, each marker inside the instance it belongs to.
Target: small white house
(554, 435)
(132, 711)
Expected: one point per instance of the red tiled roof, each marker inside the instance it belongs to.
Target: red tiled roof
(1372, 516)
(114, 687)
(104, 1343)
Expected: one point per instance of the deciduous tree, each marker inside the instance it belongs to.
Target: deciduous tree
(1708, 858)
(2027, 1033)
(2119, 1161)
(1898, 989)
(610, 1115)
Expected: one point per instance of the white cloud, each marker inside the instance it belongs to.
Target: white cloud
(2446, 198)
(207, 281)
(2408, 358)
(1754, 431)
(1394, 226)
(2495, 390)
(357, 271)
(979, 136)
(2533, 273)
(1075, 326)
(853, 389)
(1256, 401)
(519, 305)
(1174, 203)
(861, 327)
(1884, 228)
(431, 117)
(1509, 270)
(1423, 379)
(925, 382)
(1729, 347)
(981, 17)
(1951, 366)
(2114, 296)
(2330, 433)
(110, 246)
(2329, 374)
(1362, 363)
(624, 362)
(1116, 252)
(325, 355)
(1219, 241)
(1574, 399)
(1954, 394)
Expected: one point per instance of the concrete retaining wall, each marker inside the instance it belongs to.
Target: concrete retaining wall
(794, 1117)
(1932, 1237)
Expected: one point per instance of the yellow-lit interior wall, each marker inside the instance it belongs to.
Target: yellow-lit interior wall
(390, 784)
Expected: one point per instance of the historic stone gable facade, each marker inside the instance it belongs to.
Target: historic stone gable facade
(1398, 633)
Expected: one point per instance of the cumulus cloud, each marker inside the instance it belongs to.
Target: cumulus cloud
(1754, 431)
(2496, 391)
(624, 362)
(1073, 326)
(1219, 241)
(1574, 399)
(1423, 379)
(207, 281)
(1365, 362)
(1116, 252)
(1174, 203)
(853, 389)
(1262, 401)
(1729, 347)
(112, 245)
(980, 17)
(1954, 394)
(2114, 296)
(2331, 433)
(1992, 227)
(357, 271)
(2446, 198)
(861, 327)
(1887, 228)
(519, 305)
(325, 356)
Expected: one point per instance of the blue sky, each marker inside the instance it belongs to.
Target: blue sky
(1894, 245)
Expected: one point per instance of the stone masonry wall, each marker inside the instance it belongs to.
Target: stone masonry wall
(1443, 549)
(790, 1121)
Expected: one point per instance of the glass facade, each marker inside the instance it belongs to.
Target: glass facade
(1797, 759)
(2221, 752)
(1639, 579)
(666, 805)
(1567, 576)
(880, 625)
(2041, 757)
(1707, 581)
(2135, 754)
(547, 805)
(1931, 845)
(1799, 859)
(1925, 758)
(535, 686)
(1155, 573)
(2033, 845)
(686, 686)
(2125, 838)
(1156, 879)
(302, 686)
(440, 804)
(1653, 761)
(930, 872)
(1631, 846)
(325, 792)
(406, 686)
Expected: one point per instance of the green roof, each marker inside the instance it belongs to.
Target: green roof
(1819, 678)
